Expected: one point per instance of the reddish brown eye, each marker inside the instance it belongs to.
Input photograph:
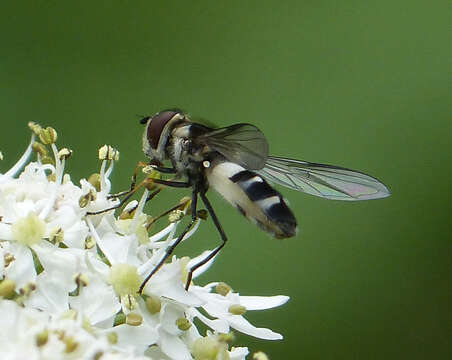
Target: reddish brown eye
(157, 125)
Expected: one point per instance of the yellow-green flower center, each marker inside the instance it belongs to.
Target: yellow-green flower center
(125, 279)
(29, 230)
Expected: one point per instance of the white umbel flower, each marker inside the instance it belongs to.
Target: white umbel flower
(70, 273)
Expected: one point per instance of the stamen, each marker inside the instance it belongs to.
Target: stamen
(139, 211)
(110, 169)
(162, 233)
(192, 230)
(103, 181)
(59, 172)
(20, 164)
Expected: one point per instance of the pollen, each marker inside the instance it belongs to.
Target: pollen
(71, 344)
(94, 180)
(47, 135)
(183, 324)
(39, 148)
(29, 230)
(153, 304)
(222, 288)
(134, 319)
(237, 309)
(42, 338)
(125, 279)
(175, 215)
(56, 235)
(108, 152)
(64, 153)
(35, 127)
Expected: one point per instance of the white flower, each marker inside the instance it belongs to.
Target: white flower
(76, 270)
(27, 333)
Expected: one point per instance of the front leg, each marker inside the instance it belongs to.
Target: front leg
(169, 183)
(140, 164)
(157, 165)
(164, 170)
(171, 248)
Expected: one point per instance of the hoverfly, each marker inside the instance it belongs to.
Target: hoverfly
(235, 161)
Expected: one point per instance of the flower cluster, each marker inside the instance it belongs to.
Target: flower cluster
(71, 271)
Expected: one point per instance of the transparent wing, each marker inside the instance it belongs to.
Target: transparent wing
(327, 181)
(243, 144)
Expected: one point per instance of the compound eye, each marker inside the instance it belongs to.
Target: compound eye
(156, 126)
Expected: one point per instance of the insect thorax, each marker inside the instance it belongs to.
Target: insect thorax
(186, 155)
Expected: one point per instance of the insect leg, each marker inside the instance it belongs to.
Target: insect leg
(176, 184)
(140, 164)
(216, 250)
(149, 198)
(157, 165)
(171, 248)
(158, 217)
(164, 170)
(123, 201)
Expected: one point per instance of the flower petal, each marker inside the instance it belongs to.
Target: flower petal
(138, 337)
(97, 301)
(173, 346)
(22, 269)
(263, 302)
(238, 353)
(239, 323)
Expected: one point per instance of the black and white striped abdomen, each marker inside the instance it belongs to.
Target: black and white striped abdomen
(253, 197)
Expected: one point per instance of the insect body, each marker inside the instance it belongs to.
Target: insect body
(235, 161)
(253, 197)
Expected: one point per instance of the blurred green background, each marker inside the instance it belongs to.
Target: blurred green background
(366, 85)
